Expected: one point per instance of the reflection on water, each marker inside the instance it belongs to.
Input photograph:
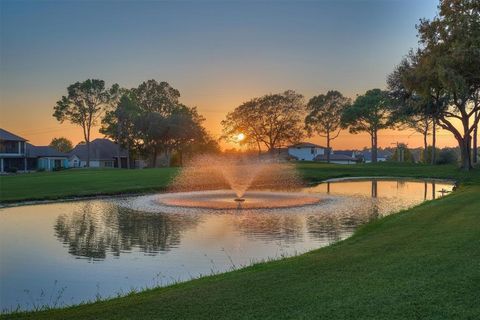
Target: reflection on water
(91, 232)
(101, 247)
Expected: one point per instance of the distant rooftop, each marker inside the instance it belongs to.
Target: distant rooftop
(43, 151)
(100, 149)
(306, 145)
(6, 135)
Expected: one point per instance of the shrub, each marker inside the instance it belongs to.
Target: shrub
(12, 170)
(447, 156)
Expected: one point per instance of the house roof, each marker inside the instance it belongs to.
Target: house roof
(43, 151)
(100, 149)
(6, 135)
(335, 157)
(306, 145)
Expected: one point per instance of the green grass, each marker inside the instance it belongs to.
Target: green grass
(423, 263)
(79, 182)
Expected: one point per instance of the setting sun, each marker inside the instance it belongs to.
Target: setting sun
(240, 137)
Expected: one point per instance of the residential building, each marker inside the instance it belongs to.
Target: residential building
(12, 152)
(16, 154)
(104, 153)
(306, 151)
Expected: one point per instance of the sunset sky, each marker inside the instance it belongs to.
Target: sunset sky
(218, 54)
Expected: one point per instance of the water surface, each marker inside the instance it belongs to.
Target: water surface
(65, 253)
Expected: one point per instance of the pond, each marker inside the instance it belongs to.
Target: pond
(65, 253)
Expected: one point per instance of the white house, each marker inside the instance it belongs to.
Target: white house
(306, 151)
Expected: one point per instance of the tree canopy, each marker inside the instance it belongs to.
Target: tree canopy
(447, 72)
(61, 144)
(150, 120)
(83, 105)
(324, 114)
(369, 113)
(269, 121)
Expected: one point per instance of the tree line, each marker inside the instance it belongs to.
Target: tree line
(147, 121)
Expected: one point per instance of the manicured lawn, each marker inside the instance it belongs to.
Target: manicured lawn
(423, 263)
(79, 182)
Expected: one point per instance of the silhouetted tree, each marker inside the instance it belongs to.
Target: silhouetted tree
(447, 70)
(84, 104)
(271, 121)
(61, 144)
(324, 115)
(369, 113)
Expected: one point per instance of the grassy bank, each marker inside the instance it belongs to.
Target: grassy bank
(422, 263)
(80, 182)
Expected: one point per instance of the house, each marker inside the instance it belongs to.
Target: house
(12, 152)
(306, 151)
(381, 155)
(104, 153)
(46, 158)
(16, 154)
(338, 158)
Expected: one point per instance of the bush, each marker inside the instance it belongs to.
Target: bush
(40, 169)
(447, 156)
(12, 170)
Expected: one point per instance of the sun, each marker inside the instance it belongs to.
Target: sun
(240, 137)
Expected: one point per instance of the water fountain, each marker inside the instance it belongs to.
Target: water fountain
(227, 182)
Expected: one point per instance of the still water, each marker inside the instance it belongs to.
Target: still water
(65, 253)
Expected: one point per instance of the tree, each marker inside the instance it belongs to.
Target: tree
(84, 104)
(270, 121)
(324, 116)
(151, 119)
(369, 113)
(119, 124)
(448, 69)
(408, 108)
(61, 144)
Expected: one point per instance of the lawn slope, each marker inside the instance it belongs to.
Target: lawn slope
(423, 263)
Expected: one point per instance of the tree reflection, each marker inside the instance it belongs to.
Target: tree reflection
(95, 230)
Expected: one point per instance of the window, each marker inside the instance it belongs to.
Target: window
(108, 164)
(312, 150)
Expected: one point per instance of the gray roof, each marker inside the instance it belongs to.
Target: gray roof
(5, 135)
(43, 151)
(335, 157)
(100, 149)
(305, 145)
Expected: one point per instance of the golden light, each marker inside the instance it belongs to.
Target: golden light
(240, 137)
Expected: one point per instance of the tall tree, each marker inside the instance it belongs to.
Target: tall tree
(324, 114)
(409, 109)
(270, 121)
(83, 105)
(61, 144)
(119, 124)
(369, 113)
(448, 69)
